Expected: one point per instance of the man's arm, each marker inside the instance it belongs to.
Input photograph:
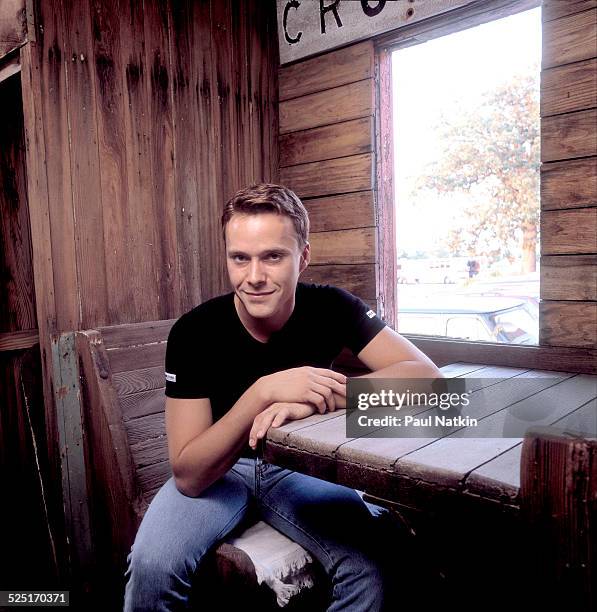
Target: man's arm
(390, 355)
(202, 451)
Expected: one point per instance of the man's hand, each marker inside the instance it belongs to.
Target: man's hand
(276, 415)
(308, 385)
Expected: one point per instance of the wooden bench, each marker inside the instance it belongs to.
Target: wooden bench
(121, 370)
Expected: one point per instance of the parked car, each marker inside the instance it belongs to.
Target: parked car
(489, 319)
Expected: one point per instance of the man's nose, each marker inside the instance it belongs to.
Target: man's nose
(256, 273)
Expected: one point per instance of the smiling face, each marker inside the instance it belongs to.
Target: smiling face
(264, 260)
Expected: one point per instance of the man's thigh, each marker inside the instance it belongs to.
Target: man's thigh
(327, 519)
(188, 526)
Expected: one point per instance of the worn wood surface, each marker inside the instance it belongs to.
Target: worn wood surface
(356, 278)
(571, 231)
(354, 246)
(333, 69)
(568, 323)
(554, 9)
(559, 498)
(571, 38)
(344, 211)
(327, 142)
(343, 175)
(569, 88)
(569, 184)
(414, 470)
(341, 103)
(568, 136)
(569, 277)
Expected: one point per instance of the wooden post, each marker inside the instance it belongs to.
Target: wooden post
(559, 503)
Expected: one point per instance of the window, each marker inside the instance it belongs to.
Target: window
(466, 158)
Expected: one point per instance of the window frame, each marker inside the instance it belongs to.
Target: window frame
(440, 349)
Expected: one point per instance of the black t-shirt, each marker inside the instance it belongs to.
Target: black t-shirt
(210, 353)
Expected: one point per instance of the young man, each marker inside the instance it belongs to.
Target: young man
(239, 364)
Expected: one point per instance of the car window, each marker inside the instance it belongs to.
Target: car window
(409, 323)
(517, 326)
(468, 328)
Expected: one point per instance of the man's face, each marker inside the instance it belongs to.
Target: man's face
(264, 261)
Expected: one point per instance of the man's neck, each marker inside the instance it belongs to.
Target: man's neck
(262, 329)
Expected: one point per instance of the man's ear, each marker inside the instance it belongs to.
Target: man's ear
(305, 256)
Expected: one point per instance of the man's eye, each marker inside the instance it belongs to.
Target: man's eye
(274, 256)
(239, 258)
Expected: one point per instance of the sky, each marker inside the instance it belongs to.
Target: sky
(447, 73)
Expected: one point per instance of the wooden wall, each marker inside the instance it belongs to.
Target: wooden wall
(23, 526)
(141, 120)
(327, 135)
(568, 308)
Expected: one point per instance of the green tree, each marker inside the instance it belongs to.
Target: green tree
(493, 154)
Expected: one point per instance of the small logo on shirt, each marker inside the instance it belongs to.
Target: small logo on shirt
(170, 377)
(370, 314)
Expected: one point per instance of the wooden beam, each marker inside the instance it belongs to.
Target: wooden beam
(18, 340)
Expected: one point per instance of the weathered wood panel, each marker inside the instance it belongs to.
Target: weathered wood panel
(347, 174)
(344, 211)
(568, 323)
(572, 38)
(569, 277)
(569, 88)
(356, 278)
(554, 9)
(13, 25)
(342, 103)
(327, 142)
(332, 69)
(17, 296)
(569, 184)
(568, 136)
(569, 231)
(354, 246)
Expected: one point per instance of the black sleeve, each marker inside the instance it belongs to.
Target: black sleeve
(186, 371)
(358, 323)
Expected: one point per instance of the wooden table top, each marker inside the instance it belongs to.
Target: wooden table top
(415, 471)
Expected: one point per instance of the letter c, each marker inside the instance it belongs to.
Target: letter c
(290, 4)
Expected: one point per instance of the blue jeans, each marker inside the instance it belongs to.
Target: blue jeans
(328, 520)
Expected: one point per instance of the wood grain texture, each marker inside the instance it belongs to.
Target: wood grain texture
(327, 142)
(331, 69)
(13, 25)
(18, 340)
(344, 211)
(337, 176)
(571, 38)
(354, 246)
(569, 184)
(569, 88)
(356, 278)
(569, 231)
(554, 9)
(569, 277)
(342, 103)
(17, 294)
(568, 136)
(568, 324)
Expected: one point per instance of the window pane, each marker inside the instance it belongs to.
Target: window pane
(467, 157)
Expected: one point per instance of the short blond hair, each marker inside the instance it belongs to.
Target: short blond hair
(268, 197)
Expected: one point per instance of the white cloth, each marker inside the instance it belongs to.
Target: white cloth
(279, 562)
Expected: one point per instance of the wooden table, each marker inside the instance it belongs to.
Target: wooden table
(430, 472)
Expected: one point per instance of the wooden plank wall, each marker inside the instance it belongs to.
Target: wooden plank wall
(568, 308)
(23, 527)
(147, 117)
(141, 120)
(327, 135)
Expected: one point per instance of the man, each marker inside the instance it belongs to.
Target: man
(239, 364)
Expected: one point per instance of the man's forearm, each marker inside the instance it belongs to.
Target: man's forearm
(211, 454)
(407, 369)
